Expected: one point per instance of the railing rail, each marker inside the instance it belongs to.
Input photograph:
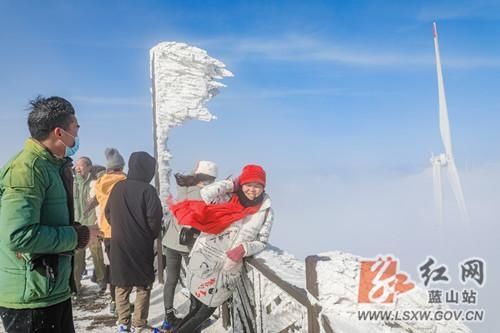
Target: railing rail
(243, 315)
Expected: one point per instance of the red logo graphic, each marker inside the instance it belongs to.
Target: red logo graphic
(200, 291)
(380, 282)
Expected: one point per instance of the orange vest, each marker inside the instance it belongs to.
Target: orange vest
(103, 187)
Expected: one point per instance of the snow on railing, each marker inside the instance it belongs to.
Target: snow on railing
(272, 296)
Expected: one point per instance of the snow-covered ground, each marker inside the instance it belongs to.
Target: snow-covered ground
(91, 310)
(92, 314)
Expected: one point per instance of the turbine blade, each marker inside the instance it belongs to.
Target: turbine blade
(438, 190)
(444, 124)
(457, 189)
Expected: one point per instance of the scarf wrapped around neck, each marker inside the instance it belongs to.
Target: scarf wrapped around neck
(212, 219)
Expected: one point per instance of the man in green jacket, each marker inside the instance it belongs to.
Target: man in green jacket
(38, 234)
(81, 190)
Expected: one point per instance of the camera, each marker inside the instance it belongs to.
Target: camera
(188, 236)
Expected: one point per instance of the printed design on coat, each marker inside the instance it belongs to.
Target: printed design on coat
(204, 270)
(222, 236)
(206, 287)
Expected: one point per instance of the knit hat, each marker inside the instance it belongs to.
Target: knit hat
(113, 159)
(207, 168)
(252, 173)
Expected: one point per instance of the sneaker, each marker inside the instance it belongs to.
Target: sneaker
(163, 330)
(171, 320)
(166, 325)
(112, 307)
(123, 328)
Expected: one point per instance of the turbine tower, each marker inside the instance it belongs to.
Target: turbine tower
(445, 160)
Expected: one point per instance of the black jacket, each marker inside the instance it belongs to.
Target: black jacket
(134, 212)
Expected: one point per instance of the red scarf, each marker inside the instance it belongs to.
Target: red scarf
(212, 219)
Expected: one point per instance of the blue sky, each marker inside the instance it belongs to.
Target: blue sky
(355, 81)
(336, 99)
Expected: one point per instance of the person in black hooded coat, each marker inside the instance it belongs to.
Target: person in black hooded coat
(134, 211)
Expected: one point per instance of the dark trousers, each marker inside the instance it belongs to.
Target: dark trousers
(173, 265)
(107, 249)
(52, 319)
(198, 313)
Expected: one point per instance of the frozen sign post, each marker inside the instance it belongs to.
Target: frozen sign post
(184, 79)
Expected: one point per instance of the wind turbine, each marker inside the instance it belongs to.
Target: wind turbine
(445, 160)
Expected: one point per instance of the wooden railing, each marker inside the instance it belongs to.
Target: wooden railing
(264, 302)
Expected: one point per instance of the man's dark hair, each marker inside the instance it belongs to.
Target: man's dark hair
(47, 114)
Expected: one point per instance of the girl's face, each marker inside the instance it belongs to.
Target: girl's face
(252, 190)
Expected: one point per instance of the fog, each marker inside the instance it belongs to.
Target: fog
(379, 213)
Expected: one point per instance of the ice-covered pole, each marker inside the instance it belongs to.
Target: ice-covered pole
(184, 79)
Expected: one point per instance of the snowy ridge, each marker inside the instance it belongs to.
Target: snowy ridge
(338, 276)
(285, 265)
(184, 80)
(338, 281)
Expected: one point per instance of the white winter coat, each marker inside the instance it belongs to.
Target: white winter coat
(212, 274)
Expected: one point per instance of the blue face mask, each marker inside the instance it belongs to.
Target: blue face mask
(70, 151)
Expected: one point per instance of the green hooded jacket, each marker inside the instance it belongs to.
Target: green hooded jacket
(81, 192)
(35, 221)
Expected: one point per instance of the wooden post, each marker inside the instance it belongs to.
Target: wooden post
(313, 288)
(159, 247)
(226, 320)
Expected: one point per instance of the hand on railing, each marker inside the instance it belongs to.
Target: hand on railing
(236, 254)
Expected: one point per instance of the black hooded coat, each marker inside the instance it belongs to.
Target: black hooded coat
(135, 213)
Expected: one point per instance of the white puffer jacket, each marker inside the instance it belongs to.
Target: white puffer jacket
(211, 273)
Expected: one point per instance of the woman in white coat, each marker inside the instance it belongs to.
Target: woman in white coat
(237, 225)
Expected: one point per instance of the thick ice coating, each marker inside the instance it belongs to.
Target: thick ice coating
(184, 79)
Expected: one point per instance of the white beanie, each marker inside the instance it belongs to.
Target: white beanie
(207, 168)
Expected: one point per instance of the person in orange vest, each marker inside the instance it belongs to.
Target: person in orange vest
(103, 186)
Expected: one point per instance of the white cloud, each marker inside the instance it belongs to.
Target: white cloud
(307, 49)
(453, 10)
(368, 212)
(114, 101)
(371, 213)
